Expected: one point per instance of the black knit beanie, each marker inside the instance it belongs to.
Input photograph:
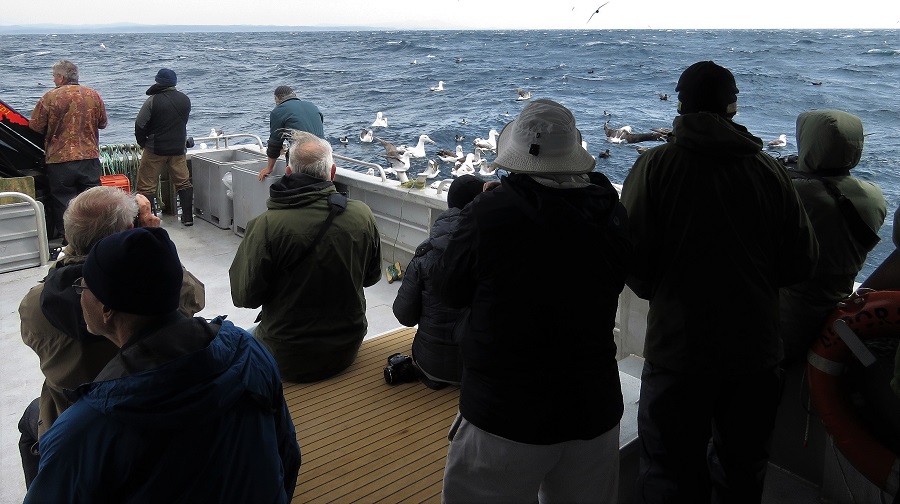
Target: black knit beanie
(707, 87)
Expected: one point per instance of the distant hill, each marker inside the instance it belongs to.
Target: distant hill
(41, 29)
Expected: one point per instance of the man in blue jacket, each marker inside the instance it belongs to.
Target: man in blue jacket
(187, 411)
(290, 113)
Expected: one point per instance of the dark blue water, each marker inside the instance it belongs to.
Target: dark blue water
(352, 75)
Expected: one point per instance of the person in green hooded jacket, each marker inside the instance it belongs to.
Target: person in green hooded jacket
(309, 282)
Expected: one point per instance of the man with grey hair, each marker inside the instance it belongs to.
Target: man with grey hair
(305, 260)
(70, 117)
(290, 114)
(51, 319)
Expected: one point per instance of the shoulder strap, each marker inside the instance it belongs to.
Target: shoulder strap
(858, 228)
(337, 203)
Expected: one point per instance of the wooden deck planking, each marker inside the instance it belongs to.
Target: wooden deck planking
(363, 440)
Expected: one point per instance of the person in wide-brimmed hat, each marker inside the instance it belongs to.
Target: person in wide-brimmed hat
(541, 260)
(711, 200)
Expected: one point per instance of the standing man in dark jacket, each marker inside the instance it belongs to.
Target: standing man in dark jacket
(717, 229)
(306, 260)
(540, 385)
(161, 130)
(290, 113)
(186, 411)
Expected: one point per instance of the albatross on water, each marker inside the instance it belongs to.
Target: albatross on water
(439, 87)
(489, 143)
(449, 156)
(781, 141)
(366, 135)
(419, 150)
(380, 121)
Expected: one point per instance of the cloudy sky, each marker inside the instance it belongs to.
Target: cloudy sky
(465, 14)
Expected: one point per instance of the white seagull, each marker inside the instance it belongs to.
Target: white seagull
(419, 150)
(380, 121)
(439, 87)
(781, 141)
(366, 135)
(487, 144)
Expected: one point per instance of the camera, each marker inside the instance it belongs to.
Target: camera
(400, 369)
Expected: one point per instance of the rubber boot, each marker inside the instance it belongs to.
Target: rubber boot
(186, 197)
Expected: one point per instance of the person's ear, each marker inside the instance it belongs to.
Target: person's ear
(333, 171)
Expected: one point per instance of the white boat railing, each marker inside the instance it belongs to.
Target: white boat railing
(40, 228)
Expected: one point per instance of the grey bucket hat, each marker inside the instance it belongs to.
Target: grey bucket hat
(543, 139)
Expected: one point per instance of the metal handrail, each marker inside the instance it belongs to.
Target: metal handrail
(43, 243)
(225, 138)
(363, 163)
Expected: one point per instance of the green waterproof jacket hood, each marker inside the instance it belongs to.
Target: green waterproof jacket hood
(828, 141)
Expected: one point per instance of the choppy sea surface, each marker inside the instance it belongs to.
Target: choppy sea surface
(601, 76)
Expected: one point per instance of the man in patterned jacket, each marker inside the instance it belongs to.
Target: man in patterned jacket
(70, 117)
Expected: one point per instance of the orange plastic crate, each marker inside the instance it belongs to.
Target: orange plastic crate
(118, 180)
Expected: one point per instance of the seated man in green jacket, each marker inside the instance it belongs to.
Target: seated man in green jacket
(305, 260)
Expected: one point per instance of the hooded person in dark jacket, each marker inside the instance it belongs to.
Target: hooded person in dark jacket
(540, 386)
(161, 130)
(186, 411)
(710, 204)
(435, 349)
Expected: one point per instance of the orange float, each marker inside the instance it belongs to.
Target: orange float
(873, 314)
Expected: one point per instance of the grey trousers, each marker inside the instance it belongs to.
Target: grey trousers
(482, 467)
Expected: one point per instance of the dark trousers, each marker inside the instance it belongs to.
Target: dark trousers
(704, 437)
(68, 180)
(28, 441)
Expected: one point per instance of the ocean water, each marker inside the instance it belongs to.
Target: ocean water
(601, 76)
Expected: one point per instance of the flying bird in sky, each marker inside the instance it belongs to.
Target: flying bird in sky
(596, 11)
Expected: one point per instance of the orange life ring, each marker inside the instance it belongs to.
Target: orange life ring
(874, 314)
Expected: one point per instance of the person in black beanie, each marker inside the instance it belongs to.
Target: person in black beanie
(435, 348)
(161, 130)
(711, 200)
(184, 398)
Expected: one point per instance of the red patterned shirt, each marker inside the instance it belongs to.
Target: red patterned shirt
(70, 118)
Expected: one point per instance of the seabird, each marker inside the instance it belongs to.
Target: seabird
(663, 96)
(596, 11)
(460, 138)
(366, 135)
(449, 156)
(419, 150)
(465, 168)
(604, 154)
(433, 169)
(781, 141)
(439, 87)
(459, 60)
(344, 140)
(394, 154)
(487, 144)
(380, 121)
(640, 150)
(487, 169)
(523, 95)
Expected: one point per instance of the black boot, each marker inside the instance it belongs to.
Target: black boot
(186, 197)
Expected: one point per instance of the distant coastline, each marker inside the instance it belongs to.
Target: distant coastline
(49, 29)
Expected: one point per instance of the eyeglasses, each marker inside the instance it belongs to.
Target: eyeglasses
(79, 289)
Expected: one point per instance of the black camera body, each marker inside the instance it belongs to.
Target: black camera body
(400, 369)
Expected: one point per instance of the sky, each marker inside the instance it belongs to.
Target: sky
(465, 14)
